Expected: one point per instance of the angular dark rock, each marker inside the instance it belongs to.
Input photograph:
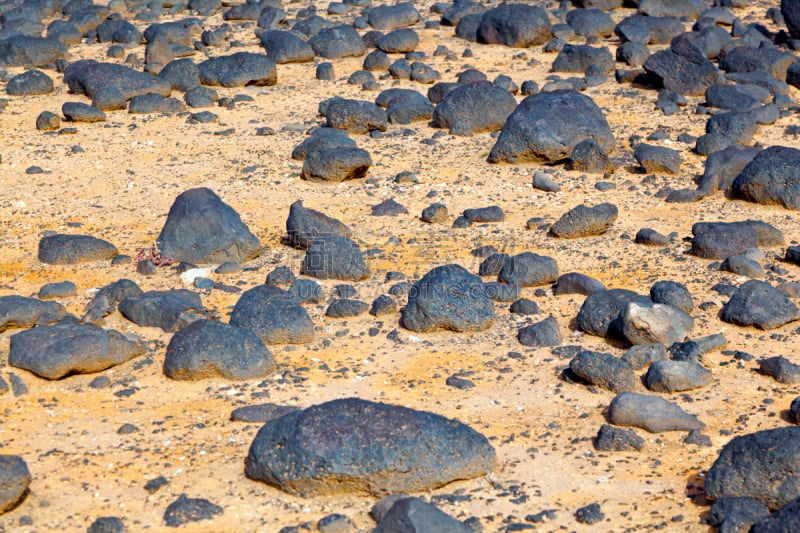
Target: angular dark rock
(584, 221)
(774, 61)
(524, 306)
(742, 266)
(107, 299)
(182, 74)
(588, 156)
(577, 283)
(676, 376)
(770, 178)
(649, 30)
(201, 228)
(63, 289)
(354, 445)
(338, 42)
(14, 480)
(529, 270)
(603, 370)
(590, 22)
(24, 50)
(304, 225)
(93, 79)
(683, 68)
(732, 514)
(30, 83)
(544, 333)
(718, 241)
(578, 58)
(658, 159)
(492, 213)
(323, 138)
(22, 312)
(764, 466)
(344, 308)
(238, 70)
(169, 310)
(781, 369)
(546, 127)
(286, 47)
(107, 524)
(653, 323)
(207, 349)
(448, 297)
(673, 294)
(383, 305)
(641, 355)
(493, 264)
(673, 8)
(474, 108)
(388, 208)
(413, 514)
(600, 313)
(399, 41)
(613, 439)
(724, 130)
(273, 315)
(724, 166)
(62, 249)
(757, 303)
(185, 510)
(653, 413)
(787, 518)
(334, 257)
(53, 352)
(435, 214)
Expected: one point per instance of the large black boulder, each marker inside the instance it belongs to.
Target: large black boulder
(53, 352)
(304, 225)
(448, 297)
(238, 70)
(546, 127)
(353, 445)
(201, 228)
(474, 108)
(274, 315)
(286, 47)
(63, 249)
(683, 68)
(334, 257)
(28, 51)
(92, 79)
(764, 465)
(757, 303)
(770, 178)
(206, 349)
(517, 25)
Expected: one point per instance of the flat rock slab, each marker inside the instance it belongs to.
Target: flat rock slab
(764, 465)
(201, 229)
(62, 249)
(353, 445)
(22, 312)
(206, 349)
(448, 297)
(273, 315)
(653, 413)
(14, 481)
(757, 303)
(53, 352)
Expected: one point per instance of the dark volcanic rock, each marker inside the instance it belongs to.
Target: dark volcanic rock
(169, 310)
(413, 514)
(603, 370)
(781, 369)
(30, 83)
(613, 439)
(546, 127)
(182, 74)
(353, 445)
(345, 307)
(185, 510)
(404, 106)
(578, 57)
(675, 376)
(764, 465)
(108, 298)
(355, 116)
(261, 412)
(107, 524)
(448, 297)
(757, 303)
(517, 25)
(337, 42)
(528, 270)
(718, 241)
(774, 61)
(771, 178)
(600, 313)
(649, 30)
(286, 47)
(492, 213)
(334, 257)
(672, 293)
(587, 156)
(53, 352)
(786, 519)
(206, 349)
(23, 50)
(21, 312)
(304, 225)
(590, 22)
(80, 112)
(524, 306)
(238, 70)
(273, 315)
(388, 17)
(473, 108)
(399, 41)
(155, 103)
(577, 283)
(388, 208)
(201, 228)
(658, 159)
(589, 514)
(584, 221)
(95, 79)
(14, 481)
(61, 249)
(652, 413)
(724, 166)
(335, 164)
(544, 333)
(724, 130)
(492, 265)
(683, 68)
(733, 515)
(323, 138)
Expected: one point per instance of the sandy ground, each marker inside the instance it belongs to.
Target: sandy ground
(132, 167)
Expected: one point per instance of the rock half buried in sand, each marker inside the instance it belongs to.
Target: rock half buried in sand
(206, 349)
(448, 297)
(652, 413)
(14, 481)
(655, 323)
(21, 312)
(61, 249)
(273, 315)
(353, 445)
(201, 228)
(764, 465)
(304, 225)
(413, 514)
(584, 221)
(53, 352)
(546, 127)
(334, 257)
(757, 303)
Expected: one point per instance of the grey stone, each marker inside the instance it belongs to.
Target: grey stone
(63, 289)
(413, 514)
(93, 79)
(274, 315)
(584, 221)
(724, 130)
(14, 481)
(238, 70)
(186, 510)
(344, 308)
(529, 270)
(304, 225)
(399, 41)
(80, 112)
(642, 355)
(354, 116)
(474, 108)
(757, 303)
(650, 237)
(770, 178)
(780, 369)
(155, 103)
(588, 156)
(683, 68)
(673, 294)
(676, 376)
(392, 17)
(24, 50)
(169, 310)
(107, 299)
(655, 323)
(613, 439)
(335, 164)
(22, 312)
(334, 257)
(653, 413)
(338, 42)
(600, 313)
(658, 159)
(516, 25)
(742, 266)
(736, 515)
(577, 283)
(544, 333)
(603, 370)
(30, 83)
(62, 249)
(286, 47)
(578, 58)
